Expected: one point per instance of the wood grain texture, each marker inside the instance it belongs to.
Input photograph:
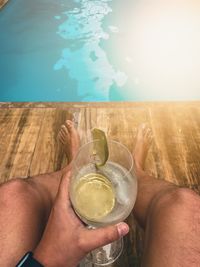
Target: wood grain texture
(29, 145)
(2, 3)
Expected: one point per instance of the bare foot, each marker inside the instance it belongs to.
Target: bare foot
(143, 142)
(69, 137)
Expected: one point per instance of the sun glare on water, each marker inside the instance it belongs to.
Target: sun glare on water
(163, 47)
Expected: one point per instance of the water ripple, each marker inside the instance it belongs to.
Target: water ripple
(83, 58)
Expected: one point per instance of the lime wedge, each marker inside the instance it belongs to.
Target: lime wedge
(100, 147)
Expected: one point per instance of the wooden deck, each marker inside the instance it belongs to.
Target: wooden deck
(2, 3)
(29, 146)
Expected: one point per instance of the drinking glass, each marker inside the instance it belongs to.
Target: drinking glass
(117, 175)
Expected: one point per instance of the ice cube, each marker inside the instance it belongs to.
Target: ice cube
(122, 193)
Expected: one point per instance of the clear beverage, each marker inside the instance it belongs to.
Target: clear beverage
(103, 195)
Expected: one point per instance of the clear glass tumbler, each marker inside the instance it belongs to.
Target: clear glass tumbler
(119, 172)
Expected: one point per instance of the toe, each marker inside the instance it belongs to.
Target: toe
(60, 137)
(64, 135)
(64, 131)
(64, 128)
(142, 130)
(70, 126)
(143, 126)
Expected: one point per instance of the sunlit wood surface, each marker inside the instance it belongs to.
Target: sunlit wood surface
(29, 145)
(2, 3)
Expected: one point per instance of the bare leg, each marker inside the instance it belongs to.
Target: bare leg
(152, 187)
(169, 215)
(25, 205)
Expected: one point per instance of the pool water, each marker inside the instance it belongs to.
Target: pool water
(77, 50)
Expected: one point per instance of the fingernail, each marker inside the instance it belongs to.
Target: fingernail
(123, 229)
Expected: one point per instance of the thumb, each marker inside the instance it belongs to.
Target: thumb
(103, 236)
(63, 190)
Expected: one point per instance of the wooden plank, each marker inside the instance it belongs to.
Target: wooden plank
(119, 124)
(26, 137)
(19, 131)
(48, 155)
(117, 105)
(176, 143)
(9, 121)
(2, 3)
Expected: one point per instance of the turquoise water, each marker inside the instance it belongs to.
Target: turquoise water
(72, 51)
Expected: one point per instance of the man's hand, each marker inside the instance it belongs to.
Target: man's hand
(66, 240)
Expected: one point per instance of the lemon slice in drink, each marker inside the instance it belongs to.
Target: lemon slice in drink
(100, 147)
(95, 197)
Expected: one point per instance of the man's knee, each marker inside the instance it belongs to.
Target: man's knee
(180, 203)
(14, 189)
(183, 198)
(173, 228)
(187, 198)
